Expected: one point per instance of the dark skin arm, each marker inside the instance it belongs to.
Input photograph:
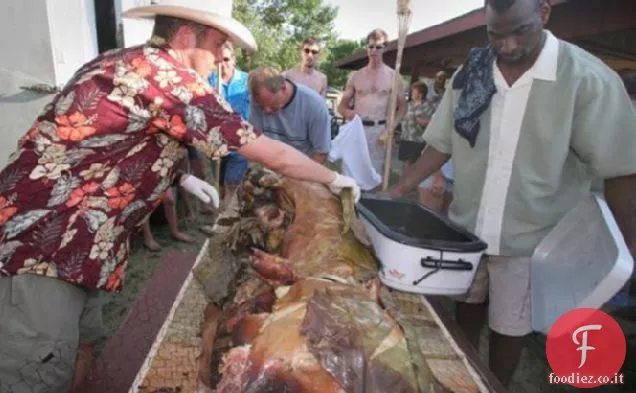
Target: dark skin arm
(620, 193)
(429, 162)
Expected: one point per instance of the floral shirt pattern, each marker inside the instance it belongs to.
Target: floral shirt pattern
(411, 131)
(99, 158)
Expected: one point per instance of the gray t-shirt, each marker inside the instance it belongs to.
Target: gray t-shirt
(303, 123)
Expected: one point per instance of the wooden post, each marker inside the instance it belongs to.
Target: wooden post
(404, 19)
(217, 166)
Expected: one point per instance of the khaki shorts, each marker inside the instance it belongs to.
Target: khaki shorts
(377, 153)
(42, 322)
(505, 282)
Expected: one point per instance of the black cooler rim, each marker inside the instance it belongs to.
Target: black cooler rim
(475, 244)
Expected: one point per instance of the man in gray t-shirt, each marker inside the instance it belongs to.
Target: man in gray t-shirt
(294, 114)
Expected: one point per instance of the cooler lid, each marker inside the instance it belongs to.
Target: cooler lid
(408, 222)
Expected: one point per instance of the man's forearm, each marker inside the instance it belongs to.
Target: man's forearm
(297, 165)
(429, 162)
(286, 160)
(620, 194)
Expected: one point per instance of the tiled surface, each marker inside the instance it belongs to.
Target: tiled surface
(452, 375)
(173, 362)
(173, 369)
(185, 326)
(432, 349)
(126, 351)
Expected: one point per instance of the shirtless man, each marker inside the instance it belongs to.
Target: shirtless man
(370, 88)
(306, 74)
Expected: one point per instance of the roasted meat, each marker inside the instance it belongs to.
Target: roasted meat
(303, 314)
(323, 336)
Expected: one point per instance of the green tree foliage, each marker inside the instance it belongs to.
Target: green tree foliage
(280, 26)
(337, 50)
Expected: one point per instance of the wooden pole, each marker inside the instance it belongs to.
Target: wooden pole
(404, 19)
(217, 166)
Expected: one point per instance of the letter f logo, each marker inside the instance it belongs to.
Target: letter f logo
(584, 347)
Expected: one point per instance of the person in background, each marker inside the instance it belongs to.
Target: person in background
(291, 113)
(411, 145)
(306, 73)
(195, 159)
(437, 88)
(367, 94)
(234, 89)
(92, 173)
(529, 121)
(418, 114)
(169, 204)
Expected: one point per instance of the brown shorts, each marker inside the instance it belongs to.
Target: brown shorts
(505, 282)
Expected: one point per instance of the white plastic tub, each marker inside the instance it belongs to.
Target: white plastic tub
(419, 250)
(582, 263)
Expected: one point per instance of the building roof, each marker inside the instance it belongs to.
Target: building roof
(607, 28)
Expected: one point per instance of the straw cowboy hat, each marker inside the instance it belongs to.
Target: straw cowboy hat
(213, 13)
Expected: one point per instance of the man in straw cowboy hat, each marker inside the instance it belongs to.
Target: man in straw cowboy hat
(95, 163)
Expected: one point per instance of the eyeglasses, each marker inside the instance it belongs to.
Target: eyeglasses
(312, 51)
(378, 46)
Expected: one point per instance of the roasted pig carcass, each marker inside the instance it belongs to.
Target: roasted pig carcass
(304, 231)
(302, 314)
(322, 336)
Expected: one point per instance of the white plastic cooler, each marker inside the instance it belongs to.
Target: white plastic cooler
(419, 250)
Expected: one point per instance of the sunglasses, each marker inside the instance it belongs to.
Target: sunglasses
(312, 51)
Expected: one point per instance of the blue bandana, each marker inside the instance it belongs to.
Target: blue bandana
(476, 81)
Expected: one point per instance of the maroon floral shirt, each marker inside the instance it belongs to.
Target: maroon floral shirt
(99, 159)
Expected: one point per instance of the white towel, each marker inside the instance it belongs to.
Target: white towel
(350, 145)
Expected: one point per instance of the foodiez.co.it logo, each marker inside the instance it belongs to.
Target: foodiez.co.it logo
(586, 349)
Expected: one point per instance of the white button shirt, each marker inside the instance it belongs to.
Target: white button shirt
(508, 107)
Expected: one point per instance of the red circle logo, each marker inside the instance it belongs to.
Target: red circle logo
(586, 349)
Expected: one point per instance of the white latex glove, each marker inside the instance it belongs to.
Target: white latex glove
(201, 189)
(341, 182)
